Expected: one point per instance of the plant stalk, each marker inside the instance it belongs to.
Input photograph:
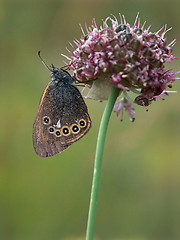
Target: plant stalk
(98, 162)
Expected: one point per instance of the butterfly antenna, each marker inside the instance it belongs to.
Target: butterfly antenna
(44, 61)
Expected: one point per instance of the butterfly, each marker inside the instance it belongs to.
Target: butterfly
(62, 117)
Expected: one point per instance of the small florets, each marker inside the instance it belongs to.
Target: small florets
(128, 57)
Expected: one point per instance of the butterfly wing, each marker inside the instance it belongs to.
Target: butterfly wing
(62, 119)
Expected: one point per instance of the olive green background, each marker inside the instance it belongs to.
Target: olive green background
(48, 199)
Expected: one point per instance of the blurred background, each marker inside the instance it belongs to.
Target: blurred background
(43, 199)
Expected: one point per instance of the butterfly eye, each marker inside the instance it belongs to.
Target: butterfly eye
(65, 131)
(46, 120)
(58, 134)
(82, 123)
(75, 128)
(51, 130)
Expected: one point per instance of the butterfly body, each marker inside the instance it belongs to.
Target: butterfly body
(62, 117)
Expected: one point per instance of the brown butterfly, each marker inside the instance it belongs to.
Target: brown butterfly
(62, 117)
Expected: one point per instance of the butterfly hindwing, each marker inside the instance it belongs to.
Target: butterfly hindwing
(62, 119)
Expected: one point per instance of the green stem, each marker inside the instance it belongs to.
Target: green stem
(98, 162)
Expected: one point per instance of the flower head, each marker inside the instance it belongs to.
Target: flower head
(129, 57)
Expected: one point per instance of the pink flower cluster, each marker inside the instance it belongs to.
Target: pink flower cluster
(130, 57)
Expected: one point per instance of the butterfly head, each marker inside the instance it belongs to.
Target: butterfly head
(59, 74)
